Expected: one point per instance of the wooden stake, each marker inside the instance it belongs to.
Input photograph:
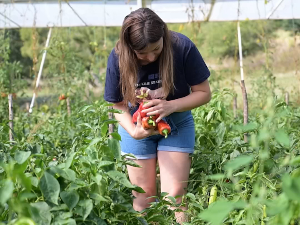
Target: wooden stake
(243, 87)
(40, 71)
(27, 106)
(287, 98)
(245, 100)
(141, 3)
(11, 117)
(110, 126)
(235, 106)
(68, 106)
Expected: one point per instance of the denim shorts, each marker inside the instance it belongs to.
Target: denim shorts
(181, 138)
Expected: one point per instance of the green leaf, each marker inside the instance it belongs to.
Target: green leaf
(221, 129)
(163, 194)
(40, 213)
(277, 205)
(210, 114)
(20, 168)
(217, 212)
(87, 125)
(25, 181)
(263, 135)
(104, 163)
(50, 188)
(75, 186)
(97, 178)
(129, 155)
(120, 178)
(287, 215)
(62, 207)
(238, 162)
(26, 195)
(139, 189)
(245, 128)
(116, 136)
(34, 181)
(106, 104)
(291, 187)
(115, 111)
(21, 156)
(95, 141)
(85, 208)
(295, 161)
(104, 129)
(157, 218)
(98, 198)
(6, 190)
(141, 220)
(217, 176)
(173, 200)
(70, 198)
(240, 204)
(84, 108)
(282, 138)
(65, 215)
(234, 154)
(67, 174)
(68, 221)
(191, 196)
(132, 163)
(69, 160)
(114, 145)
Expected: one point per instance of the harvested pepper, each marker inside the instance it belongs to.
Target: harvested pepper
(135, 115)
(163, 128)
(149, 122)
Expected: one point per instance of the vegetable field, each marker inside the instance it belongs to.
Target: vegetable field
(61, 164)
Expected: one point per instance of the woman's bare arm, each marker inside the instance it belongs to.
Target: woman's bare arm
(200, 95)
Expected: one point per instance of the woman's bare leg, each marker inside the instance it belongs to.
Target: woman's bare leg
(145, 178)
(174, 174)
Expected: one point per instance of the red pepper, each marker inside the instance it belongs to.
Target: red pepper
(149, 122)
(62, 97)
(135, 115)
(164, 128)
(142, 108)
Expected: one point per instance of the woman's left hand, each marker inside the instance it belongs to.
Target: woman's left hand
(158, 106)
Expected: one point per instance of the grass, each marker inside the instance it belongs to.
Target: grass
(285, 82)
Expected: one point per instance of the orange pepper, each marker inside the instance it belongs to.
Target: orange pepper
(164, 128)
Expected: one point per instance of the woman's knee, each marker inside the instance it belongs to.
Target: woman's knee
(149, 191)
(177, 192)
(142, 200)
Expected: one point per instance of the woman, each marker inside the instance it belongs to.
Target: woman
(168, 65)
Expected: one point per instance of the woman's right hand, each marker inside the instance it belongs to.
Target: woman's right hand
(139, 132)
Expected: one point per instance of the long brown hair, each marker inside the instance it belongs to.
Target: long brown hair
(140, 28)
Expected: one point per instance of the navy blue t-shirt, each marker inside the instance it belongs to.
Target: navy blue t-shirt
(189, 69)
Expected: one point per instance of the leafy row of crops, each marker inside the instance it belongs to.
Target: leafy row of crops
(63, 167)
(67, 170)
